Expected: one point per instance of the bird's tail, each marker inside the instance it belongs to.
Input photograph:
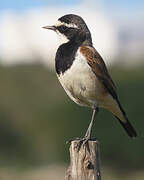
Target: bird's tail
(115, 107)
(128, 128)
(126, 124)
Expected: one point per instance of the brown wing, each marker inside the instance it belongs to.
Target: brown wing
(99, 68)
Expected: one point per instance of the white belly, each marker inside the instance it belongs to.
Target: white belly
(80, 83)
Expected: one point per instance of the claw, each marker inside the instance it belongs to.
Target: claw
(81, 142)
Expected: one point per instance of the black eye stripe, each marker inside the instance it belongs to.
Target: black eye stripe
(69, 32)
(64, 28)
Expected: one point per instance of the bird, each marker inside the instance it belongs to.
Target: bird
(83, 74)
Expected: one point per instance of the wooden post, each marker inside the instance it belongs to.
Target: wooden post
(84, 161)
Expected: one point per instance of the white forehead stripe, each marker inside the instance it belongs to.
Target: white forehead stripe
(59, 23)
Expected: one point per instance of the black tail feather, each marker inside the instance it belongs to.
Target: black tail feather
(128, 128)
(126, 125)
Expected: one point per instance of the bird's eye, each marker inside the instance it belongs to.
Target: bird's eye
(62, 28)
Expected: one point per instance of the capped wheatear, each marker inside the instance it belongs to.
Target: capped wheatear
(83, 73)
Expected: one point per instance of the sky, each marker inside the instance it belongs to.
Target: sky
(119, 10)
(124, 5)
(111, 5)
(112, 16)
(24, 4)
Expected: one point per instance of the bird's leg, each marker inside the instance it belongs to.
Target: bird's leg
(87, 136)
(89, 130)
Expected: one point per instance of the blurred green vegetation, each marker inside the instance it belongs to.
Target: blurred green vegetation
(37, 118)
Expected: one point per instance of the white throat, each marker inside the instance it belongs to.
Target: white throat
(62, 38)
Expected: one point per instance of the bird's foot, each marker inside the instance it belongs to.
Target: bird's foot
(74, 139)
(81, 141)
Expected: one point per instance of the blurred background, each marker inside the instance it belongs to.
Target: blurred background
(37, 117)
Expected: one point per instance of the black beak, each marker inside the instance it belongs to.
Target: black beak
(50, 27)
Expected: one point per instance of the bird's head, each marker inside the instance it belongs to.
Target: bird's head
(71, 27)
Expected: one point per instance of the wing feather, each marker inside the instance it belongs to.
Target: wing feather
(98, 66)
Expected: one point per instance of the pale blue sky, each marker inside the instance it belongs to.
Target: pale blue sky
(126, 14)
(24, 4)
(122, 5)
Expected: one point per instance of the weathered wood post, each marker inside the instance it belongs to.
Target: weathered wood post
(84, 161)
